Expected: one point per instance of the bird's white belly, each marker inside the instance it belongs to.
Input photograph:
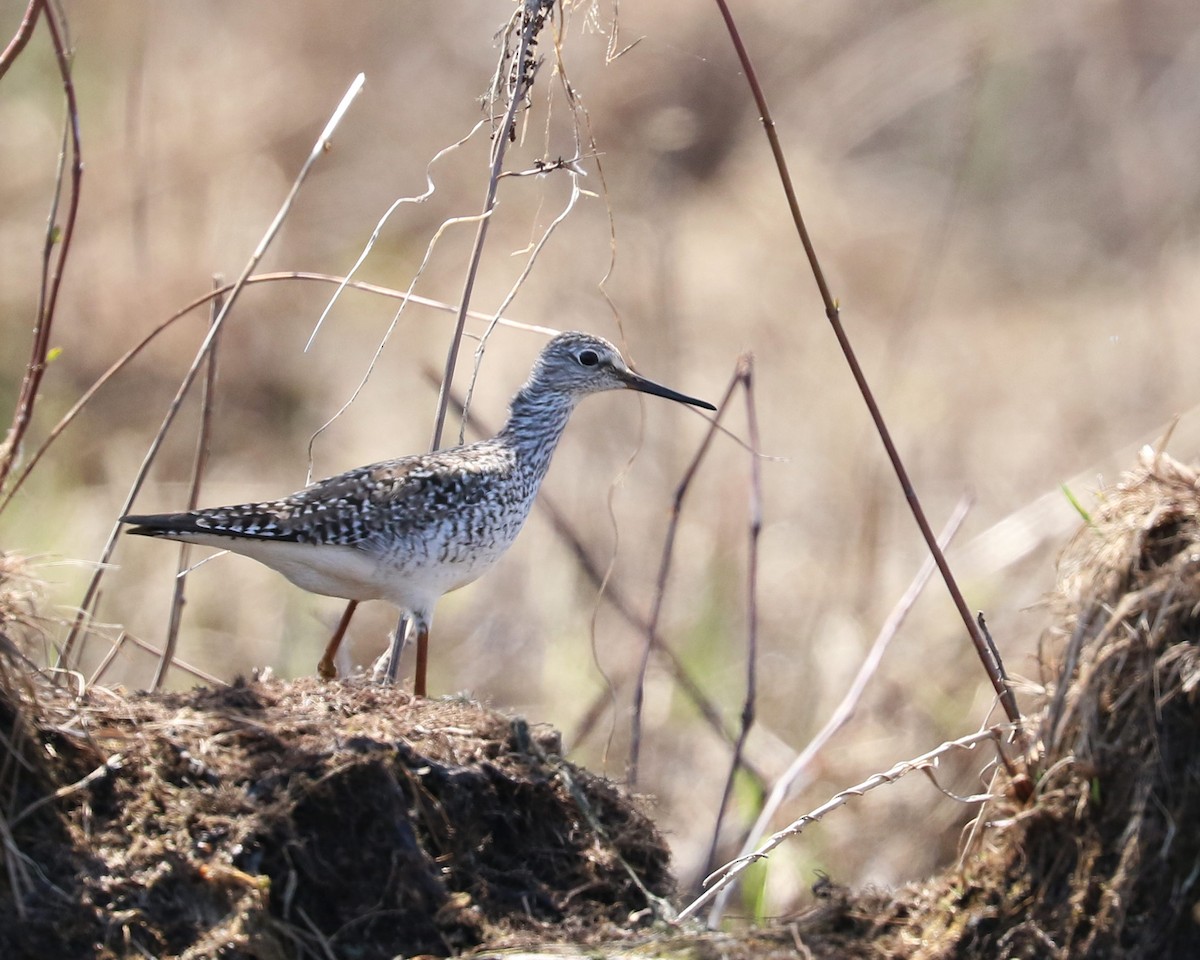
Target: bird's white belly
(411, 570)
(408, 577)
(328, 569)
(355, 574)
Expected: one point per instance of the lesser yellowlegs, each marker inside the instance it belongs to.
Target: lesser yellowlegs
(409, 530)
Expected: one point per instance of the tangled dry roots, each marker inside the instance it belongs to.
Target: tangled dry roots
(1092, 849)
(21, 763)
(1101, 857)
(1110, 845)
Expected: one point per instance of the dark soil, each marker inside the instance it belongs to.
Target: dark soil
(308, 818)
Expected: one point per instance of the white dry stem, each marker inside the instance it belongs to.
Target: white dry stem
(576, 192)
(387, 334)
(793, 780)
(926, 763)
(113, 763)
(430, 189)
(319, 148)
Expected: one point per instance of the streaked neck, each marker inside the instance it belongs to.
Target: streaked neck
(536, 420)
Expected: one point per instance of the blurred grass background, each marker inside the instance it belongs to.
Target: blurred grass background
(1004, 198)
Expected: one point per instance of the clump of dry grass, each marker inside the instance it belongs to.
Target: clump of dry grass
(25, 774)
(1091, 853)
(20, 632)
(1113, 868)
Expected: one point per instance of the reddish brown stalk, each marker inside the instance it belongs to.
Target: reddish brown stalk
(21, 37)
(57, 238)
(664, 570)
(995, 670)
(612, 594)
(746, 379)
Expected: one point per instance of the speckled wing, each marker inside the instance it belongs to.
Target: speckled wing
(392, 501)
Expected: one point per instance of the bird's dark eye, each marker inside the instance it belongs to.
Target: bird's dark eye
(589, 358)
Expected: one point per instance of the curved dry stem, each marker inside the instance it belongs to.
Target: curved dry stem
(926, 762)
(430, 189)
(515, 289)
(791, 782)
(277, 277)
(90, 595)
(383, 341)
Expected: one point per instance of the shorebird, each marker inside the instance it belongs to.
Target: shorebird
(412, 529)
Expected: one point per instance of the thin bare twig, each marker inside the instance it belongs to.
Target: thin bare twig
(21, 37)
(133, 351)
(746, 365)
(207, 391)
(57, 238)
(107, 660)
(86, 606)
(531, 18)
(591, 568)
(150, 648)
(996, 674)
(664, 570)
(926, 762)
(791, 782)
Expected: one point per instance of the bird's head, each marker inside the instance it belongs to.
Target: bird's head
(579, 364)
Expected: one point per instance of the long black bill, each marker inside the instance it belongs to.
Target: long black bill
(634, 382)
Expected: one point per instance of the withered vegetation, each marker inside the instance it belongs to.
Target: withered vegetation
(289, 819)
(1090, 849)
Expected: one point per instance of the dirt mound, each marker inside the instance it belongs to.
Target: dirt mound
(310, 819)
